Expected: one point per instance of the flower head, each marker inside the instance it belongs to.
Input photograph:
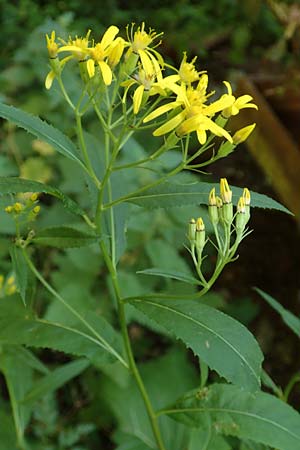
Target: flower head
(78, 46)
(187, 71)
(52, 46)
(193, 114)
(238, 103)
(139, 42)
(99, 54)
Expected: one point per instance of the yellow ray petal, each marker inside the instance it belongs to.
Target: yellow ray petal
(161, 110)
(106, 72)
(109, 35)
(137, 98)
(49, 79)
(170, 125)
(90, 65)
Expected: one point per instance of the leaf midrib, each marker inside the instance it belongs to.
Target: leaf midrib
(233, 411)
(211, 331)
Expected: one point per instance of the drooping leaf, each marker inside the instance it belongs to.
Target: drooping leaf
(20, 269)
(174, 274)
(55, 379)
(42, 130)
(18, 326)
(18, 378)
(259, 417)
(63, 237)
(224, 344)
(15, 185)
(289, 318)
(168, 195)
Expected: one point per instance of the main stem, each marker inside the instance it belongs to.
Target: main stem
(132, 365)
(111, 265)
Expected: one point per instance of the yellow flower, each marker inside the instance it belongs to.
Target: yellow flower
(100, 53)
(139, 42)
(187, 71)
(238, 104)
(192, 112)
(52, 46)
(78, 46)
(151, 83)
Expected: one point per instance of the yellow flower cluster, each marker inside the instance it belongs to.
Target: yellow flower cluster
(7, 285)
(29, 207)
(141, 67)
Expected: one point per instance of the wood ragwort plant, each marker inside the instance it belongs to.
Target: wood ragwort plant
(135, 162)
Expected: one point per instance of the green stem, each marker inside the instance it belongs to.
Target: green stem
(294, 380)
(84, 150)
(144, 188)
(65, 94)
(127, 343)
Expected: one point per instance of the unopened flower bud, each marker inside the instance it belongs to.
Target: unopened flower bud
(226, 195)
(52, 45)
(212, 207)
(192, 231)
(247, 200)
(17, 207)
(9, 209)
(36, 209)
(219, 204)
(200, 236)
(33, 197)
(241, 218)
(243, 134)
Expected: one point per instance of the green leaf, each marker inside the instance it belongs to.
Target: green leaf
(170, 195)
(174, 274)
(7, 432)
(20, 269)
(259, 417)
(42, 130)
(18, 377)
(14, 185)
(19, 327)
(63, 237)
(289, 319)
(224, 344)
(55, 379)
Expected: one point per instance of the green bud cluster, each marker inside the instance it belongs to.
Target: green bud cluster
(225, 223)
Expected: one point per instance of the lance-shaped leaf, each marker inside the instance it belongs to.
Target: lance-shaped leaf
(55, 379)
(173, 274)
(289, 319)
(224, 344)
(259, 417)
(19, 327)
(42, 130)
(168, 195)
(15, 185)
(63, 237)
